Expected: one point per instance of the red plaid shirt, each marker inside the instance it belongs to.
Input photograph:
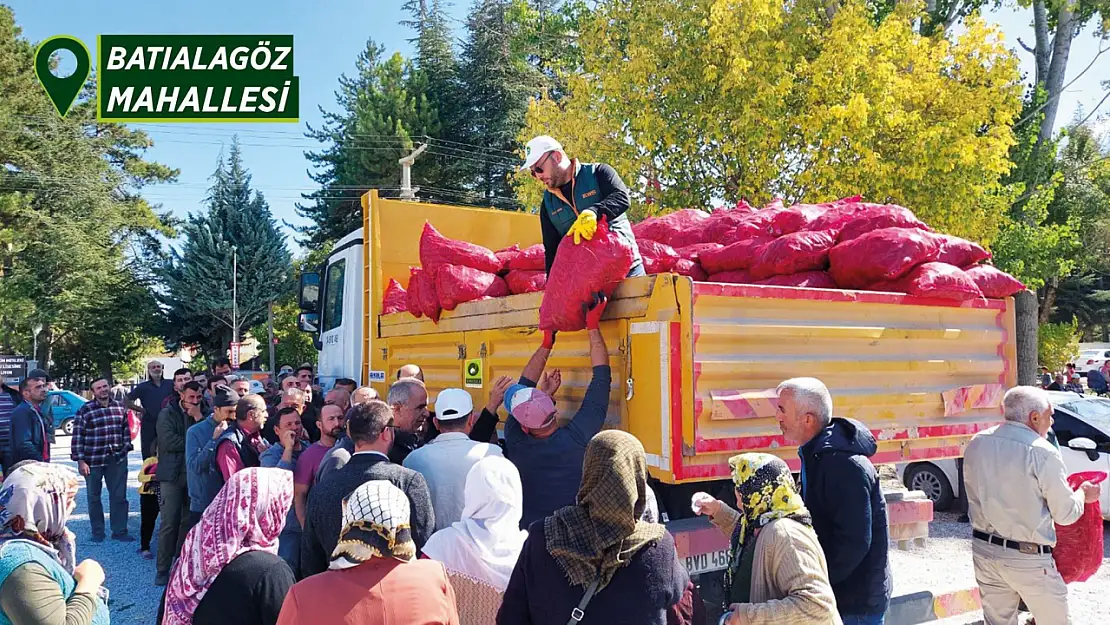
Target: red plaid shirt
(101, 434)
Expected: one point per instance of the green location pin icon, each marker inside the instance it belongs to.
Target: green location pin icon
(62, 91)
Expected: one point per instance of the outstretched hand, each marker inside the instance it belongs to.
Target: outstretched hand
(549, 339)
(550, 382)
(497, 393)
(584, 227)
(594, 310)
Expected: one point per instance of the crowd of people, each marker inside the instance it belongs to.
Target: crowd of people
(1070, 380)
(385, 513)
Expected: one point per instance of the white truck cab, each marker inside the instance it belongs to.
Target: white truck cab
(332, 301)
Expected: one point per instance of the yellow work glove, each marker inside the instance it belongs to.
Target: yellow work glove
(584, 227)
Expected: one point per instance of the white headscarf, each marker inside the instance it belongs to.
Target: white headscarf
(486, 542)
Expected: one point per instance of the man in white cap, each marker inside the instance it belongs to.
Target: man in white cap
(577, 196)
(445, 461)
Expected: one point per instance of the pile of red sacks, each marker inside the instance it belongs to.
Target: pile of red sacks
(453, 272)
(848, 244)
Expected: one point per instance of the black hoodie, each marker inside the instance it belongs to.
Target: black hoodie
(841, 490)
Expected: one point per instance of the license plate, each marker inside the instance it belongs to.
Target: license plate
(707, 562)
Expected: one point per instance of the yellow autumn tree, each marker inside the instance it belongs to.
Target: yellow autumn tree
(697, 102)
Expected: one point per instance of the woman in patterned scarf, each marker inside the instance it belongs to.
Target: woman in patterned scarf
(373, 578)
(38, 579)
(777, 571)
(229, 570)
(602, 547)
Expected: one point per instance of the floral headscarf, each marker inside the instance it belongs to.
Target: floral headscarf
(35, 501)
(375, 525)
(765, 492)
(248, 514)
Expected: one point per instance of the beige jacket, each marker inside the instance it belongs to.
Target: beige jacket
(1017, 485)
(790, 579)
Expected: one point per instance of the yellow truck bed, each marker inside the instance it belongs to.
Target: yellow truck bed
(695, 364)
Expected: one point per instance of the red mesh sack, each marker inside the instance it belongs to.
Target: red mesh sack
(395, 299)
(1078, 551)
(693, 252)
(939, 280)
(733, 227)
(794, 253)
(422, 298)
(678, 229)
(797, 217)
(531, 258)
(521, 281)
(687, 267)
(579, 272)
(877, 217)
(961, 252)
(658, 257)
(739, 255)
(840, 213)
(808, 279)
(506, 255)
(456, 284)
(437, 250)
(882, 255)
(994, 282)
(735, 276)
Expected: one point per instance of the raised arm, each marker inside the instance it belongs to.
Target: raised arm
(536, 364)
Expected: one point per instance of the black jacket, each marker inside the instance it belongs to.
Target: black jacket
(324, 516)
(841, 490)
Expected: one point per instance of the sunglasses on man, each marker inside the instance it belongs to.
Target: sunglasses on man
(537, 169)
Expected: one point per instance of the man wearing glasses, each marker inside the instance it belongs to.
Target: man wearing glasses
(577, 195)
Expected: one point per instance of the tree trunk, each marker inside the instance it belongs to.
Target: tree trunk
(1057, 70)
(1041, 50)
(1048, 299)
(1025, 326)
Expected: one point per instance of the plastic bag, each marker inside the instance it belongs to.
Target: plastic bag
(394, 299)
(877, 217)
(437, 250)
(960, 252)
(939, 280)
(687, 267)
(1078, 551)
(739, 255)
(456, 284)
(531, 258)
(693, 252)
(579, 272)
(808, 279)
(422, 298)
(994, 282)
(879, 256)
(506, 255)
(794, 253)
(658, 257)
(678, 229)
(735, 276)
(521, 281)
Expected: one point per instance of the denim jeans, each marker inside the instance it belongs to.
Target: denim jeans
(114, 474)
(289, 549)
(863, 619)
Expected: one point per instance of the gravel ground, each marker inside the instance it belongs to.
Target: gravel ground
(133, 597)
(945, 564)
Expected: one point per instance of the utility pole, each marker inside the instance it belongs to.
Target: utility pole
(36, 330)
(408, 192)
(234, 294)
(270, 323)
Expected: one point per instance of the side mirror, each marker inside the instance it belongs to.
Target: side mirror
(309, 322)
(1082, 443)
(308, 298)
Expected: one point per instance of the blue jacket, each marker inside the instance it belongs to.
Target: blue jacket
(841, 489)
(272, 458)
(205, 479)
(17, 552)
(27, 435)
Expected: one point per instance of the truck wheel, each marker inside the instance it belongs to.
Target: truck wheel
(929, 479)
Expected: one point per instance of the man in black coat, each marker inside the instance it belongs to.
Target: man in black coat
(371, 428)
(841, 489)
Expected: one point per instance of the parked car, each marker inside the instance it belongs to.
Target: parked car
(1091, 359)
(1082, 428)
(64, 405)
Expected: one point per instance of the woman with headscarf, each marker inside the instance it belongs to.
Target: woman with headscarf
(373, 577)
(38, 580)
(777, 571)
(599, 559)
(481, 549)
(229, 571)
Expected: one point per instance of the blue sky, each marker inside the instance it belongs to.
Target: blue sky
(328, 36)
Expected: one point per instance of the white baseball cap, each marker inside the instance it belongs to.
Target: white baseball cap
(537, 147)
(453, 403)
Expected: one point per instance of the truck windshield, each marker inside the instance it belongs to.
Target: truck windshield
(333, 296)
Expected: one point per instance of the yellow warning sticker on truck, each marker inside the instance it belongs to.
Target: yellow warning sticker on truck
(472, 373)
